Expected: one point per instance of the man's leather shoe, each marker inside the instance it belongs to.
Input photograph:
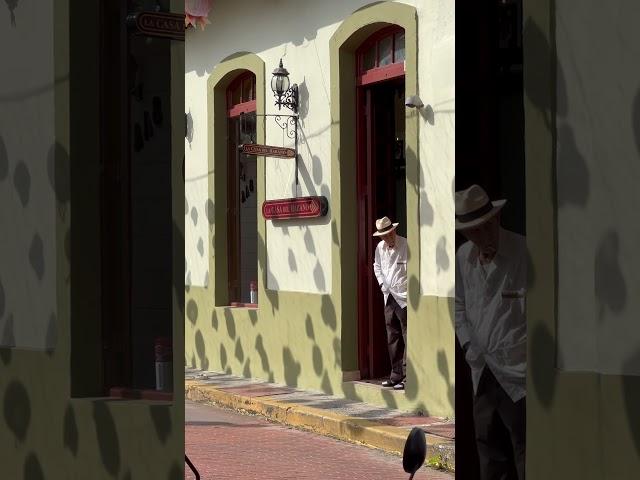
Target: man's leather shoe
(389, 383)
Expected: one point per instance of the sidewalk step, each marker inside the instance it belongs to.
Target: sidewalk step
(356, 422)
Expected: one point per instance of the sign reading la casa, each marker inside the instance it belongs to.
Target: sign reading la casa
(300, 207)
(158, 24)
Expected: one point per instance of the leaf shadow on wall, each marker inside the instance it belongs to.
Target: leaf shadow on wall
(239, 351)
(4, 160)
(543, 364)
(293, 266)
(107, 434)
(22, 182)
(17, 409)
(36, 256)
(161, 418)
(7, 341)
(59, 173)
(328, 313)
(192, 311)
(178, 280)
(33, 468)
(262, 352)
(70, 436)
(443, 368)
(610, 285)
(292, 367)
(271, 287)
(230, 323)
(200, 350)
(303, 100)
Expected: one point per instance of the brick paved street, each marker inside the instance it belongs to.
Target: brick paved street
(227, 445)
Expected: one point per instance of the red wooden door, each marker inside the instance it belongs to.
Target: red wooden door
(373, 198)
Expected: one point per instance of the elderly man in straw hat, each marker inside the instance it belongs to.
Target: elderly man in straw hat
(390, 268)
(491, 327)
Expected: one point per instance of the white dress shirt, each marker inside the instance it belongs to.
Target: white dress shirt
(490, 312)
(390, 267)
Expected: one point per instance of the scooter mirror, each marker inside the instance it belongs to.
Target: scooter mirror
(415, 451)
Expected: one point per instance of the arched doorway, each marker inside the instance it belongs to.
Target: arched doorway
(242, 181)
(381, 179)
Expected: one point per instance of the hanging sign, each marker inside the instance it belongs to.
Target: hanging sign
(267, 151)
(300, 207)
(159, 24)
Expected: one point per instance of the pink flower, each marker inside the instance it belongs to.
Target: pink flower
(196, 12)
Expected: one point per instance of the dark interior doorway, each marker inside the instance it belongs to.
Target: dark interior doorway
(489, 148)
(242, 181)
(150, 194)
(136, 208)
(381, 192)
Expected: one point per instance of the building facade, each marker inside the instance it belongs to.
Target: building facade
(317, 323)
(77, 326)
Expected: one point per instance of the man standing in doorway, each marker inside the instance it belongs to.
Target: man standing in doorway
(390, 268)
(491, 273)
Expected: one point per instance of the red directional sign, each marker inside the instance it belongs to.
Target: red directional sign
(301, 207)
(268, 151)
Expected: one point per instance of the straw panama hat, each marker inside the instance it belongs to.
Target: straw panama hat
(474, 207)
(384, 226)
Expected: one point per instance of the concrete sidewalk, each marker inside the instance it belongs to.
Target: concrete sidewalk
(347, 420)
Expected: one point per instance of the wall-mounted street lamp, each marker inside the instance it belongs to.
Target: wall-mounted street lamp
(285, 95)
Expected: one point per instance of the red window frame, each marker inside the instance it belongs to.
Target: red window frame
(378, 74)
(245, 105)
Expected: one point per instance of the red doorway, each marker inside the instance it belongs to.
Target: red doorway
(381, 181)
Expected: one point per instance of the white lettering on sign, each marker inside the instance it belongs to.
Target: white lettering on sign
(303, 207)
(268, 151)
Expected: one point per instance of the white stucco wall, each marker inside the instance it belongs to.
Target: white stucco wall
(598, 173)
(436, 60)
(298, 257)
(28, 175)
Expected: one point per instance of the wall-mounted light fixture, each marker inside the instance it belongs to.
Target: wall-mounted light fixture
(285, 95)
(414, 101)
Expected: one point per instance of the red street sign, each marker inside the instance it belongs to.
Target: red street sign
(301, 207)
(268, 151)
(160, 24)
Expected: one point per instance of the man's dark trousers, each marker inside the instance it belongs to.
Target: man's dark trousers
(496, 418)
(396, 322)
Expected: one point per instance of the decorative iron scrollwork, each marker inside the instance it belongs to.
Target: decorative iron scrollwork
(288, 125)
(288, 99)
